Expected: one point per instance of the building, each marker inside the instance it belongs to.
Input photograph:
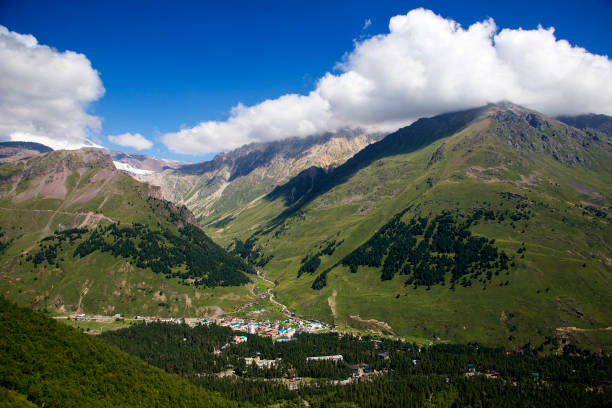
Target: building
(357, 370)
(261, 363)
(285, 338)
(239, 339)
(335, 357)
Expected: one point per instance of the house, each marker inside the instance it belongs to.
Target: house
(336, 357)
(357, 370)
(492, 374)
(384, 355)
(239, 339)
(261, 363)
(226, 373)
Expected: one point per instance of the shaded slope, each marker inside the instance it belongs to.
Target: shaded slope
(536, 187)
(54, 365)
(593, 121)
(40, 148)
(421, 133)
(218, 189)
(11, 152)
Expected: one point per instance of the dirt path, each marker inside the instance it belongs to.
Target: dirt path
(571, 329)
(99, 216)
(84, 290)
(564, 333)
(331, 301)
(384, 327)
(89, 216)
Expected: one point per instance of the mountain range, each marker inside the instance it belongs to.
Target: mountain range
(490, 224)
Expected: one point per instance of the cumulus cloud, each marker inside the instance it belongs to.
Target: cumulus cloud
(135, 140)
(44, 93)
(425, 65)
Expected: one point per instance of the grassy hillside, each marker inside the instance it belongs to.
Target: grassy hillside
(78, 235)
(45, 363)
(514, 180)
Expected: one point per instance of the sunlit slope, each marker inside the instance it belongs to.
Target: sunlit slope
(47, 197)
(537, 187)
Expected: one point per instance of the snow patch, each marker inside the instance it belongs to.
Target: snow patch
(130, 169)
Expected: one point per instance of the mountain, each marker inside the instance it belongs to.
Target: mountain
(15, 151)
(78, 235)
(489, 225)
(46, 363)
(140, 164)
(590, 122)
(214, 190)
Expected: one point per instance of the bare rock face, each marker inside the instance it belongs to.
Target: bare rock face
(232, 180)
(57, 173)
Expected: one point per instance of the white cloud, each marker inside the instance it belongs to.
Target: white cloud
(366, 24)
(135, 140)
(425, 65)
(44, 93)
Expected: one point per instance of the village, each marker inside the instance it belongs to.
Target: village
(280, 330)
(248, 319)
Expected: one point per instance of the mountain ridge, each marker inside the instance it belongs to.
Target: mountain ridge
(528, 193)
(530, 181)
(79, 235)
(251, 171)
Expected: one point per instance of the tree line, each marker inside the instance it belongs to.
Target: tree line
(189, 255)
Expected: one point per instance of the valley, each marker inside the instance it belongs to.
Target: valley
(305, 205)
(479, 237)
(487, 225)
(532, 206)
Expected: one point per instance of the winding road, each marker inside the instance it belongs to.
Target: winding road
(284, 308)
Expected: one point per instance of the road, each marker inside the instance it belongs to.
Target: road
(284, 308)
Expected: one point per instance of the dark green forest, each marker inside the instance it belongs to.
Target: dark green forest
(247, 251)
(190, 255)
(396, 373)
(53, 365)
(427, 249)
(311, 263)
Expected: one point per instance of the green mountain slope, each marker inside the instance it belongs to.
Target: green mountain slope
(485, 225)
(77, 235)
(53, 365)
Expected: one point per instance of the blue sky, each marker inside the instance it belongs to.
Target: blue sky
(168, 65)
